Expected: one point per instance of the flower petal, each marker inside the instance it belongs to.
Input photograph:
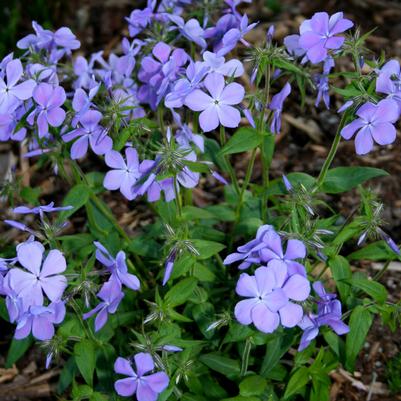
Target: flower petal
(126, 387)
(54, 263)
(243, 310)
(214, 83)
(209, 119)
(384, 133)
(263, 319)
(297, 288)
(291, 314)
(144, 363)
(30, 256)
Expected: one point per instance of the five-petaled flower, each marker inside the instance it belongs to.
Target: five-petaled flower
(30, 284)
(270, 293)
(146, 386)
(318, 35)
(375, 123)
(216, 108)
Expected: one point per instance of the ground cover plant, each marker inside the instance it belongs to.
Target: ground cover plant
(252, 298)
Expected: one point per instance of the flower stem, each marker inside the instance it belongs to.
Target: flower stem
(331, 155)
(231, 172)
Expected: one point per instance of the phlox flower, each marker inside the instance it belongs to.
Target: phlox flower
(375, 123)
(146, 386)
(48, 110)
(117, 267)
(215, 63)
(270, 292)
(124, 174)
(267, 248)
(40, 320)
(111, 296)
(276, 105)
(89, 133)
(329, 314)
(190, 29)
(38, 278)
(12, 92)
(318, 35)
(216, 108)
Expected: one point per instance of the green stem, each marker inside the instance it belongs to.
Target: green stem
(231, 172)
(246, 183)
(177, 197)
(332, 153)
(103, 208)
(265, 162)
(245, 357)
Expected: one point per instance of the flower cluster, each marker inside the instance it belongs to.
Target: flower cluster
(33, 285)
(279, 286)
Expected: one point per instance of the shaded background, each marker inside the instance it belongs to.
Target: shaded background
(302, 146)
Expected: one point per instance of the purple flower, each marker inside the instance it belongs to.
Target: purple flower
(82, 102)
(329, 314)
(169, 265)
(216, 108)
(318, 34)
(322, 81)
(40, 320)
(375, 124)
(48, 111)
(190, 29)
(147, 387)
(45, 39)
(124, 174)
(270, 292)
(38, 278)
(216, 63)
(139, 20)
(291, 42)
(389, 81)
(12, 93)
(234, 35)
(111, 295)
(41, 209)
(276, 105)
(184, 135)
(195, 72)
(90, 133)
(159, 72)
(117, 267)
(267, 248)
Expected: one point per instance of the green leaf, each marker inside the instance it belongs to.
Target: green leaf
(206, 248)
(77, 197)
(376, 290)
(85, 358)
(192, 213)
(243, 140)
(359, 324)
(297, 382)
(17, 350)
(277, 187)
(96, 396)
(252, 385)
(81, 392)
(275, 349)
(376, 251)
(343, 179)
(226, 366)
(30, 195)
(341, 271)
(180, 292)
